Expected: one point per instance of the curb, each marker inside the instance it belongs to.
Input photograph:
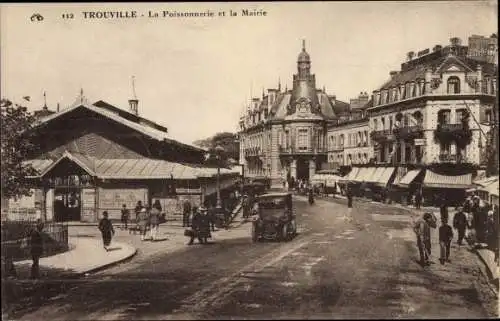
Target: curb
(108, 265)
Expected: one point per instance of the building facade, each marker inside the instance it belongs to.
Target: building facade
(283, 134)
(95, 157)
(348, 138)
(436, 111)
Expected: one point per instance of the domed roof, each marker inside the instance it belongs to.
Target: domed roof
(303, 55)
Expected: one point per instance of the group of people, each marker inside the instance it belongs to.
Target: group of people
(475, 216)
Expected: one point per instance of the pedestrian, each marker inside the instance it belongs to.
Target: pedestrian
(186, 211)
(138, 209)
(154, 220)
(418, 198)
(212, 216)
(107, 230)
(349, 202)
(36, 248)
(142, 222)
(125, 216)
(443, 210)
(492, 234)
(422, 229)
(445, 237)
(311, 196)
(200, 227)
(460, 224)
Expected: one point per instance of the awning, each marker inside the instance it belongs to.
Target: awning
(143, 169)
(491, 189)
(352, 174)
(385, 176)
(409, 177)
(375, 175)
(364, 174)
(443, 181)
(486, 181)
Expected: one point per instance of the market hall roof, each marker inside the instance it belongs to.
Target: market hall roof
(143, 168)
(139, 124)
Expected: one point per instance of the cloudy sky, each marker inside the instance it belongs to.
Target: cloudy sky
(194, 75)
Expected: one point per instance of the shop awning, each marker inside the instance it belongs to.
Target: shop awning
(352, 174)
(365, 174)
(375, 174)
(409, 177)
(434, 180)
(385, 176)
(143, 169)
(491, 189)
(486, 181)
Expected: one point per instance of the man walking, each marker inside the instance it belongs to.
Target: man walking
(445, 237)
(154, 220)
(460, 223)
(422, 229)
(186, 211)
(125, 216)
(349, 203)
(36, 246)
(418, 198)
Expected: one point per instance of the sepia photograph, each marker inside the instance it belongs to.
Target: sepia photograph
(249, 160)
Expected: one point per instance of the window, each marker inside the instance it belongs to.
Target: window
(302, 139)
(453, 85)
(488, 116)
(406, 120)
(382, 123)
(390, 122)
(445, 148)
(444, 116)
(461, 113)
(375, 125)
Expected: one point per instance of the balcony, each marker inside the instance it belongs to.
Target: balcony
(409, 132)
(452, 158)
(293, 150)
(382, 135)
(253, 152)
(338, 148)
(458, 132)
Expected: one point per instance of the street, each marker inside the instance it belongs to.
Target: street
(333, 269)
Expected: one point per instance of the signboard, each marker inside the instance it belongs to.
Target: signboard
(419, 142)
(115, 198)
(88, 198)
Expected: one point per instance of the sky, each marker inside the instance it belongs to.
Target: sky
(194, 75)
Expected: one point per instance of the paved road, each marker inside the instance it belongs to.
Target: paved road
(333, 269)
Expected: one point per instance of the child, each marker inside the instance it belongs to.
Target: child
(445, 237)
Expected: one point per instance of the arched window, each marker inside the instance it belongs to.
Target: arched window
(453, 85)
(382, 123)
(444, 116)
(375, 125)
(406, 120)
(418, 117)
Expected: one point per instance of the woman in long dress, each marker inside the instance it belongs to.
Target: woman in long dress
(107, 230)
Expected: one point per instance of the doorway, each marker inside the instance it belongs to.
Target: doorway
(303, 169)
(67, 205)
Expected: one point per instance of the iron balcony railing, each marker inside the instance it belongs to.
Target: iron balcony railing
(299, 150)
(409, 131)
(382, 135)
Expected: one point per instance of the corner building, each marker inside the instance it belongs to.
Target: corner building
(283, 134)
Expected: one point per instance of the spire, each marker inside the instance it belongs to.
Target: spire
(81, 95)
(45, 100)
(279, 84)
(303, 45)
(134, 102)
(263, 93)
(133, 87)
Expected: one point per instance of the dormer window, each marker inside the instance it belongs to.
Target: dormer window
(453, 85)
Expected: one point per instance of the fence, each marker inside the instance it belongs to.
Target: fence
(15, 237)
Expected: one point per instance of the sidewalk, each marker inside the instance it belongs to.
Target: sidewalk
(86, 255)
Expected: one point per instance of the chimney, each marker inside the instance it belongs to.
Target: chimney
(134, 106)
(455, 41)
(393, 73)
(437, 48)
(410, 55)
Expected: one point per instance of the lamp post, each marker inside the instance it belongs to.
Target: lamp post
(219, 150)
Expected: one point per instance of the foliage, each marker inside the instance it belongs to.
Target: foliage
(16, 124)
(226, 140)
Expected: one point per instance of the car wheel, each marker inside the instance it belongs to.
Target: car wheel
(284, 232)
(255, 238)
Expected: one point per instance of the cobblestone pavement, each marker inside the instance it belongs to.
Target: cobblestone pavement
(365, 268)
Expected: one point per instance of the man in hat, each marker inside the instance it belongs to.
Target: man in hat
(422, 229)
(460, 223)
(36, 248)
(200, 226)
(142, 222)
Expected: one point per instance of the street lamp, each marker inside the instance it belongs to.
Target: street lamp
(219, 151)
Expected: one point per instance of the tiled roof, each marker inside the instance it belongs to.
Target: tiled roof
(39, 164)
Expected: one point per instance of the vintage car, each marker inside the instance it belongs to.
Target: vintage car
(275, 219)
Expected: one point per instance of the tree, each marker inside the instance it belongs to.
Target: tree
(227, 140)
(16, 124)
